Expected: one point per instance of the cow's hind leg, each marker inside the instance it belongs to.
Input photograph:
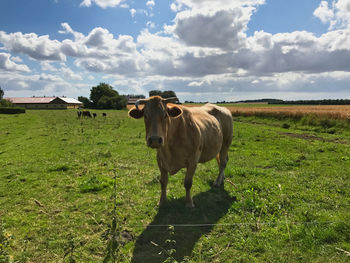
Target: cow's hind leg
(188, 184)
(222, 159)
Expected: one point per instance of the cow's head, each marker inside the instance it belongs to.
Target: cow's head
(157, 114)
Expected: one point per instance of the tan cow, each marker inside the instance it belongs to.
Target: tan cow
(184, 137)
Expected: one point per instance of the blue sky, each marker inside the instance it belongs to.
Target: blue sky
(208, 50)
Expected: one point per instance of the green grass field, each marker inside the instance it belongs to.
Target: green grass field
(286, 197)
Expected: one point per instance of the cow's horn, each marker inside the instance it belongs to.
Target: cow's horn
(171, 100)
(140, 102)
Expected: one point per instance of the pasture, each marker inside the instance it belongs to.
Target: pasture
(86, 190)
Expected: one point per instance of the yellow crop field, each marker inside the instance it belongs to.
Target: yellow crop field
(323, 111)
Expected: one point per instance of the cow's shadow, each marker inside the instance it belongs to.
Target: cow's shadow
(159, 242)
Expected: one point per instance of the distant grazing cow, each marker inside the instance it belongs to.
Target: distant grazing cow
(94, 114)
(79, 114)
(104, 114)
(184, 137)
(86, 113)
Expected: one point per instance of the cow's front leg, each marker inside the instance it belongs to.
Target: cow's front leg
(188, 184)
(163, 184)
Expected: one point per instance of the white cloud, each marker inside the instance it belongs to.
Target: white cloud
(324, 13)
(47, 66)
(179, 5)
(100, 51)
(68, 30)
(156, 54)
(86, 3)
(69, 74)
(102, 3)
(9, 65)
(150, 24)
(132, 12)
(150, 4)
(223, 29)
(49, 77)
(199, 83)
(338, 15)
(36, 47)
(16, 83)
(17, 59)
(99, 38)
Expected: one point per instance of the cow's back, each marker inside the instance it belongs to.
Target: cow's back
(224, 117)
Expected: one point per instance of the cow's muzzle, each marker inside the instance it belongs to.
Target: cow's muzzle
(154, 141)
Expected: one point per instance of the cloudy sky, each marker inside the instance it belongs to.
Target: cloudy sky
(204, 50)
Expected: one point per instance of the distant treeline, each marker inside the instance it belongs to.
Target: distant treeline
(164, 94)
(293, 102)
(137, 96)
(313, 102)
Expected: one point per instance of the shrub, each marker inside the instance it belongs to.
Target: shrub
(6, 103)
(12, 110)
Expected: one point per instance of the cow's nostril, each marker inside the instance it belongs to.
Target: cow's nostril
(154, 141)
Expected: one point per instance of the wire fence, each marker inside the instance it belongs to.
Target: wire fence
(239, 224)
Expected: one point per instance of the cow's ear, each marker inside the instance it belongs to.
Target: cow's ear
(136, 113)
(174, 111)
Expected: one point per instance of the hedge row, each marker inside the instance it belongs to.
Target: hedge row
(12, 110)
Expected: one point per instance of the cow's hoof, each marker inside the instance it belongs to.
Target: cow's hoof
(218, 184)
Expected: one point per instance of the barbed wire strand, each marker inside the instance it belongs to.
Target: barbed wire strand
(238, 224)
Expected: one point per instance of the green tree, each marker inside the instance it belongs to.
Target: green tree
(103, 96)
(6, 103)
(121, 102)
(103, 89)
(3, 102)
(155, 93)
(106, 102)
(164, 94)
(168, 94)
(86, 102)
(116, 102)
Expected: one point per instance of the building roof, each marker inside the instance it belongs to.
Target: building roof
(42, 100)
(31, 100)
(70, 100)
(132, 100)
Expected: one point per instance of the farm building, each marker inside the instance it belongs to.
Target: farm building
(133, 98)
(132, 101)
(46, 103)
